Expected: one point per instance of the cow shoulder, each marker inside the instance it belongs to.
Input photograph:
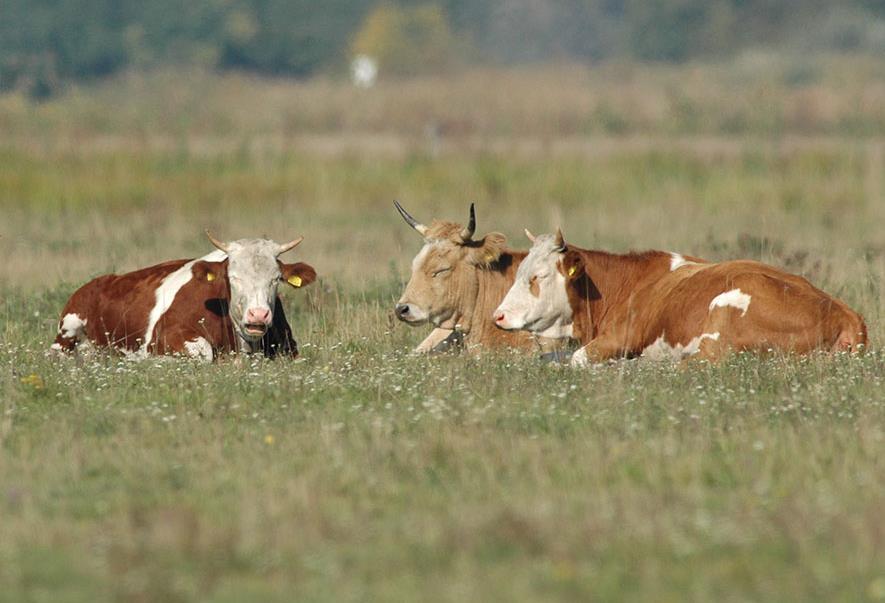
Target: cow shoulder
(199, 307)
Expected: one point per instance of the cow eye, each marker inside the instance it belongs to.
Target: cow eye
(440, 271)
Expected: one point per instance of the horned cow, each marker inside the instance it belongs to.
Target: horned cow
(225, 301)
(666, 305)
(455, 284)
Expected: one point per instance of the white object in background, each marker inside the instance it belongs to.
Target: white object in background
(363, 71)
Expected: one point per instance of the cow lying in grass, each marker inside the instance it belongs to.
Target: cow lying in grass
(456, 282)
(225, 301)
(660, 304)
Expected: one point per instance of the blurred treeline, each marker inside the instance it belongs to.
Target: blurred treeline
(45, 43)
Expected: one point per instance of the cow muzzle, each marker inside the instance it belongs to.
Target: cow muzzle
(410, 314)
(505, 321)
(256, 321)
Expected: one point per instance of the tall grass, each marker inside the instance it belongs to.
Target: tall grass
(755, 95)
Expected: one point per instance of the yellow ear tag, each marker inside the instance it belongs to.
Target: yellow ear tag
(571, 271)
(295, 281)
(210, 277)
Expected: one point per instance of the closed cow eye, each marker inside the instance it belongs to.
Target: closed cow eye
(440, 271)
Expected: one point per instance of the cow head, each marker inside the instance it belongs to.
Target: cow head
(445, 281)
(252, 272)
(538, 300)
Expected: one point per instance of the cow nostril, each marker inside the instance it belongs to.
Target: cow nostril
(402, 309)
(499, 317)
(257, 315)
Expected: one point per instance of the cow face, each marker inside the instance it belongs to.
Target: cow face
(538, 300)
(252, 273)
(443, 287)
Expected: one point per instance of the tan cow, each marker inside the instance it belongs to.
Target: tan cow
(660, 304)
(456, 282)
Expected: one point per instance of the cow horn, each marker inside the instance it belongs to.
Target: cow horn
(216, 242)
(559, 241)
(290, 245)
(468, 231)
(530, 236)
(422, 230)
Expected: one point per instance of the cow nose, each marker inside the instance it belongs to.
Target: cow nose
(499, 318)
(258, 316)
(401, 310)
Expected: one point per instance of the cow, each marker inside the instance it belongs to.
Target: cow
(455, 284)
(225, 301)
(665, 305)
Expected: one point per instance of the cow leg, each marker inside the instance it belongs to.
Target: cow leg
(185, 342)
(200, 349)
(436, 337)
(604, 347)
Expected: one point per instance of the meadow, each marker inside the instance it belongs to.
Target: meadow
(362, 472)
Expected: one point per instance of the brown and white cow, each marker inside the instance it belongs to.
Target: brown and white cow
(665, 305)
(225, 301)
(455, 284)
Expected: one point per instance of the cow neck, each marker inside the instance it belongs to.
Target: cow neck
(494, 281)
(607, 285)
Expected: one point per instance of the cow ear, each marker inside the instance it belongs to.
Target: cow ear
(488, 249)
(298, 274)
(572, 265)
(204, 271)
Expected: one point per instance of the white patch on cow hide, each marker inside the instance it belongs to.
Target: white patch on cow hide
(661, 350)
(549, 310)
(734, 298)
(169, 288)
(677, 262)
(579, 358)
(199, 348)
(72, 327)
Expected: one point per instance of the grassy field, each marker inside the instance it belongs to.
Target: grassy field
(363, 473)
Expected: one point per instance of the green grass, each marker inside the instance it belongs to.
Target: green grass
(363, 473)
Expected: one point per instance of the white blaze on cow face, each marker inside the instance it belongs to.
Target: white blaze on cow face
(253, 274)
(538, 301)
(431, 294)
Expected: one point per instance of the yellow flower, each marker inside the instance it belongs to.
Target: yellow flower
(33, 380)
(269, 440)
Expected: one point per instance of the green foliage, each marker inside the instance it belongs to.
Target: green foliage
(44, 43)
(288, 37)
